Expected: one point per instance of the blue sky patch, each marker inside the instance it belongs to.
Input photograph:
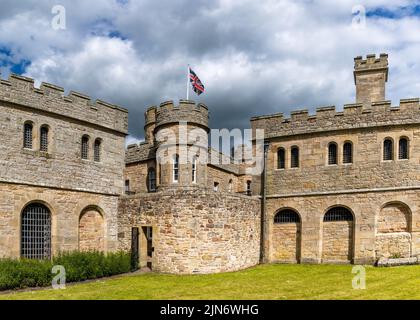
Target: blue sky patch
(401, 12)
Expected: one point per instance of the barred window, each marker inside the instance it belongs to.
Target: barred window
(294, 159)
(403, 149)
(332, 153)
(281, 158)
(338, 214)
(348, 153)
(176, 168)
(44, 139)
(36, 232)
(97, 150)
(152, 180)
(85, 147)
(286, 216)
(388, 149)
(27, 136)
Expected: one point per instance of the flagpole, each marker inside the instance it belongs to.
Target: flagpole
(188, 82)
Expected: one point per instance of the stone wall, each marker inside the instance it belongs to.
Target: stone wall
(66, 208)
(91, 231)
(368, 244)
(195, 231)
(62, 165)
(337, 241)
(285, 243)
(367, 171)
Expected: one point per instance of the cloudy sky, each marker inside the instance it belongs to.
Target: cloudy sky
(254, 57)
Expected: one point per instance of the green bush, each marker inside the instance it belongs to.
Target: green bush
(79, 266)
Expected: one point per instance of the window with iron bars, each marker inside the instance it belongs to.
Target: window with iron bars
(388, 149)
(44, 139)
(338, 214)
(347, 153)
(152, 180)
(286, 216)
(332, 153)
(97, 150)
(403, 149)
(36, 232)
(27, 136)
(85, 147)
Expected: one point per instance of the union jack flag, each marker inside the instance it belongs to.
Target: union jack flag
(198, 87)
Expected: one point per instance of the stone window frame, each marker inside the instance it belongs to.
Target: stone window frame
(44, 142)
(278, 167)
(391, 151)
(292, 160)
(230, 185)
(151, 180)
(97, 150)
(407, 206)
(84, 147)
(399, 158)
(26, 131)
(248, 188)
(329, 154)
(348, 142)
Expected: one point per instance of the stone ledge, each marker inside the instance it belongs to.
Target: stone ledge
(386, 262)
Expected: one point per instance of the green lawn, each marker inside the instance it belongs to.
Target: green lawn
(261, 282)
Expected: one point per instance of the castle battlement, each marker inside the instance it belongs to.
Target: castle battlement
(168, 113)
(50, 98)
(353, 116)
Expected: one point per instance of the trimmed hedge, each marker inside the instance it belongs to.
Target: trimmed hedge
(79, 266)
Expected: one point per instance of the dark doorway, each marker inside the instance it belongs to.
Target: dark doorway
(146, 247)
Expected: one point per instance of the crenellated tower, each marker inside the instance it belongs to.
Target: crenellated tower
(370, 76)
(178, 134)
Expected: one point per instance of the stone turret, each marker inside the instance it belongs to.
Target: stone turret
(179, 134)
(370, 76)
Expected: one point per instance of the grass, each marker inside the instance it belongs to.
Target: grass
(260, 282)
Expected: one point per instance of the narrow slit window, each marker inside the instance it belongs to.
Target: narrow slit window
(348, 153)
(388, 149)
(332, 153)
(281, 163)
(97, 150)
(294, 157)
(44, 139)
(403, 149)
(85, 147)
(176, 168)
(27, 136)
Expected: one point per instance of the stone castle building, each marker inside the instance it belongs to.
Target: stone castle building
(338, 187)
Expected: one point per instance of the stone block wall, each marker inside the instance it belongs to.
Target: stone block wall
(337, 241)
(319, 238)
(66, 208)
(194, 230)
(285, 243)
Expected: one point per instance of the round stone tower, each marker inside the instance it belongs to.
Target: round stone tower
(180, 135)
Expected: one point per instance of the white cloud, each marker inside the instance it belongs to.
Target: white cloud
(254, 57)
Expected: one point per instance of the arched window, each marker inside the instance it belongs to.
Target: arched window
(230, 185)
(403, 148)
(175, 169)
(286, 216)
(85, 147)
(332, 153)
(294, 157)
(194, 169)
(44, 139)
(36, 232)
(388, 149)
(248, 188)
(27, 135)
(97, 150)
(151, 180)
(338, 214)
(281, 161)
(348, 153)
